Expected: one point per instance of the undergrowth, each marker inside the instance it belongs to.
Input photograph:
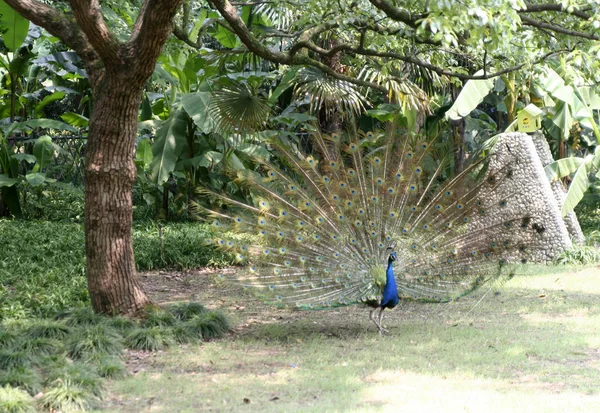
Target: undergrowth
(42, 264)
(67, 357)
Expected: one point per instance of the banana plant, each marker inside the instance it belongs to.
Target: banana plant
(18, 169)
(568, 105)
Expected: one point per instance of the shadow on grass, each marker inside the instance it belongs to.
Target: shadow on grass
(512, 350)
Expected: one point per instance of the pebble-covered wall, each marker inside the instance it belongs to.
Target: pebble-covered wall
(527, 193)
(558, 189)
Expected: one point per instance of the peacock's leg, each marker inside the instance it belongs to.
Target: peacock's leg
(381, 329)
(374, 320)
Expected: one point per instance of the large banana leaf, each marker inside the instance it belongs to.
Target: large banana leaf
(13, 26)
(562, 167)
(196, 105)
(578, 187)
(170, 142)
(143, 155)
(75, 119)
(471, 95)
(43, 150)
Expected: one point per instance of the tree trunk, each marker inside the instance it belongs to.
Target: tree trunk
(110, 175)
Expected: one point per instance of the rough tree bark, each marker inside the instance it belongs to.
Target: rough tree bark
(117, 72)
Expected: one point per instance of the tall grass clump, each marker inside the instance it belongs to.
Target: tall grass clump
(149, 339)
(65, 396)
(94, 340)
(13, 400)
(25, 378)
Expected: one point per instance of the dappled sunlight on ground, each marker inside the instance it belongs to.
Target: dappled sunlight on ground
(531, 344)
(403, 391)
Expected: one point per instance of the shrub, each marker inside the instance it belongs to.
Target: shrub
(41, 346)
(64, 396)
(80, 317)
(110, 367)
(186, 311)
(25, 378)
(48, 329)
(150, 339)
(7, 337)
(13, 356)
(121, 324)
(94, 340)
(157, 317)
(579, 254)
(80, 374)
(13, 400)
(210, 325)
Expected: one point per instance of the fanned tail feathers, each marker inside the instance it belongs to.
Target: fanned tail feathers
(322, 227)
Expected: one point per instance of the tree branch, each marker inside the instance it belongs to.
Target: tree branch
(152, 27)
(537, 8)
(230, 14)
(397, 14)
(65, 29)
(558, 29)
(89, 16)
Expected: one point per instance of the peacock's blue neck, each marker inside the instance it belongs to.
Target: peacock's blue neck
(389, 297)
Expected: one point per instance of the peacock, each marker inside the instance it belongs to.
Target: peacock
(369, 217)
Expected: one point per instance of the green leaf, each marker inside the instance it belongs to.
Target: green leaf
(146, 113)
(75, 119)
(6, 181)
(550, 81)
(286, 82)
(196, 106)
(24, 157)
(563, 119)
(234, 162)
(144, 152)
(380, 114)
(293, 117)
(36, 178)
(170, 142)
(562, 167)
(210, 159)
(43, 149)
(13, 26)
(53, 97)
(225, 37)
(41, 123)
(149, 198)
(577, 189)
(590, 97)
(471, 95)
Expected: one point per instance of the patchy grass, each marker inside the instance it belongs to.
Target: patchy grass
(531, 344)
(42, 264)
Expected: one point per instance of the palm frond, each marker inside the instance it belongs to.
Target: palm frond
(325, 92)
(237, 107)
(400, 90)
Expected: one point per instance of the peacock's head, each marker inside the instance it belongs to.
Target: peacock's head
(393, 257)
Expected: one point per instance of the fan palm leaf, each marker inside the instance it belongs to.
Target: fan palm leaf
(325, 92)
(238, 107)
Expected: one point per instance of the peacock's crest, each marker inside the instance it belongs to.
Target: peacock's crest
(322, 225)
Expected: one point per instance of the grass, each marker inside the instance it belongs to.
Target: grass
(42, 264)
(69, 358)
(531, 344)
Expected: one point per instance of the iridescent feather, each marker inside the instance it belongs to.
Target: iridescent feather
(324, 226)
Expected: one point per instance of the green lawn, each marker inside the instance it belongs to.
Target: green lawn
(530, 345)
